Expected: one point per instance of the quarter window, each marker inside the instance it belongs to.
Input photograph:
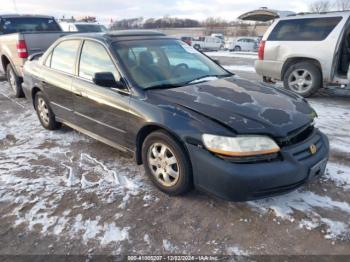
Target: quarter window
(306, 29)
(95, 59)
(63, 56)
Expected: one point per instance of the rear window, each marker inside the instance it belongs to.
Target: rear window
(27, 24)
(306, 29)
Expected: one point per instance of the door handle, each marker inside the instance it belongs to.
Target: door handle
(79, 94)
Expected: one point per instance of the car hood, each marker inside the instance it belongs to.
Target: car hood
(242, 106)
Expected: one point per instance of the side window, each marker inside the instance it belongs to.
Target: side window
(63, 56)
(307, 29)
(182, 54)
(95, 59)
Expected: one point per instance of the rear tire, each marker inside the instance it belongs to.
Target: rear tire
(166, 163)
(303, 78)
(14, 81)
(46, 116)
(237, 48)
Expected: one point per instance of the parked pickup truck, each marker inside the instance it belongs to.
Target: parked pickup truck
(20, 37)
(207, 43)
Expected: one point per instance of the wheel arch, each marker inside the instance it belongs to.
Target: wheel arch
(294, 60)
(148, 129)
(33, 92)
(4, 62)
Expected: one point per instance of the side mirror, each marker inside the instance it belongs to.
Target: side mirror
(106, 79)
(216, 61)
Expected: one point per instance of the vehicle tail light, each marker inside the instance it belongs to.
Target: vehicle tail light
(261, 50)
(22, 49)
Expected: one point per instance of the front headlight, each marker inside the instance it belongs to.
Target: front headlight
(240, 146)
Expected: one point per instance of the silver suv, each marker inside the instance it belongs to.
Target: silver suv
(306, 51)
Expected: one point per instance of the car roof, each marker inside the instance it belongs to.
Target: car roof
(24, 15)
(113, 36)
(317, 15)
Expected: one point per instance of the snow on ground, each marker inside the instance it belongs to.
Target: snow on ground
(314, 207)
(339, 174)
(236, 251)
(334, 121)
(33, 185)
(248, 55)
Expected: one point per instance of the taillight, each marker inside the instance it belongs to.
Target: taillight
(261, 50)
(22, 49)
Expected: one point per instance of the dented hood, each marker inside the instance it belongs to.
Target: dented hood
(242, 106)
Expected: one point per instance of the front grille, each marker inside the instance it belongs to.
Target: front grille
(253, 159)
(296, 136)
(304, 153)
(278, 190)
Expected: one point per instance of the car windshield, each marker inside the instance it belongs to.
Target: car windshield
(164, 63)
(27, 24)
(90, 28)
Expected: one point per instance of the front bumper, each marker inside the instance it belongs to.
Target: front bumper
(248, 181)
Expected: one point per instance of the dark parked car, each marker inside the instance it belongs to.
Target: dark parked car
(188, 120)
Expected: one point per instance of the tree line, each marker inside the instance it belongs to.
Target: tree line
(327, 5)
(169, 22)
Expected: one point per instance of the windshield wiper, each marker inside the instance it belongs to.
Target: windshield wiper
(164, 86)
(197, 80)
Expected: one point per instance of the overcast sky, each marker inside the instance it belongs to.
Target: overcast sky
(118, 9)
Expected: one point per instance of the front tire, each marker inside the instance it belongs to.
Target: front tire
(14, 81)
(303, 78)
(46, 116)
(166, 163)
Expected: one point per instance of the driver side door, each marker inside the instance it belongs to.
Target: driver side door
(102, 111)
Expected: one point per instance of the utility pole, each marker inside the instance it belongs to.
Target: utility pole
(15, 5)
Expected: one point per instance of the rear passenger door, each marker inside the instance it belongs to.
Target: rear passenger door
(57, 75)
(100, 110)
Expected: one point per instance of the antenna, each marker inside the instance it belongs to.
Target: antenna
(15, 5)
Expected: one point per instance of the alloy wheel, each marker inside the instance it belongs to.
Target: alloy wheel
(300, 80)
(43, 111)
(12, 80)
(163, 164)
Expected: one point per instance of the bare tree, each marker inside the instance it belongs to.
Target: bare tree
(320, 6)
(342, 5)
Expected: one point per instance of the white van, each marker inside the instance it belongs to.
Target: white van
(249, 44)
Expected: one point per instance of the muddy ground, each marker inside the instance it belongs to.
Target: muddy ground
(64, 193)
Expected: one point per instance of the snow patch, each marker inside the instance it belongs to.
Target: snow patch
(35, 189)
(333, 120)
(339, 174)
(311, 205)
(236, 251)
(248, 55)
(168, 246)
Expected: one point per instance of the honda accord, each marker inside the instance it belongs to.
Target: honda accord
(191, 123)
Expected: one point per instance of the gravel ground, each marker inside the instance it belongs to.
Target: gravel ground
(64, 193)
